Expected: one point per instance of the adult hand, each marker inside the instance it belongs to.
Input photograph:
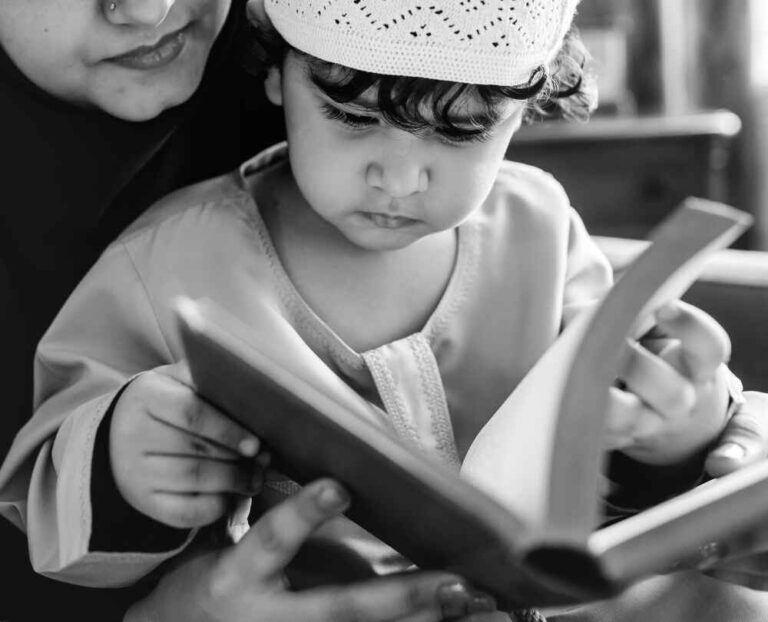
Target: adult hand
(680, 597)
(245, 581)
(745, 438)
(175, 457)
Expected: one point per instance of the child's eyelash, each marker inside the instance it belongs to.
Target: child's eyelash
(362, 122)
(465, 139)
(350, 120)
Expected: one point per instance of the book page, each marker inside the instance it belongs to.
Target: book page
(511, 456)
(284, 351)
(540, 455)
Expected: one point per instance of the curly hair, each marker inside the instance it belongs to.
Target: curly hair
(565, 89)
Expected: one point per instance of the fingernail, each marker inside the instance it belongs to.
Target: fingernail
(332, 498)
(454, 599)
(482, 604)
(248, 447)
(731, 451)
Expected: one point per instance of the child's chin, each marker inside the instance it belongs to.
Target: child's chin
(383, 241)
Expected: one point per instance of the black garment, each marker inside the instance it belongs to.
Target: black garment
(70, 180)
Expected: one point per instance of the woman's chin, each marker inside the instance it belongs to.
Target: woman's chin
(145, 107)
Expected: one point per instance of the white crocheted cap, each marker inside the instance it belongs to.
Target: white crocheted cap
(474, 41)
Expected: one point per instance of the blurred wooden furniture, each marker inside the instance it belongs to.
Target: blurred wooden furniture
(624, 174)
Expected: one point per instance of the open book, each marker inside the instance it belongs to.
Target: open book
(521, 519)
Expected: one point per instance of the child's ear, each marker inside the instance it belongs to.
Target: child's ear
(273, 86)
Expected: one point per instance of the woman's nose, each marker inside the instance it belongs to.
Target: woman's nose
(397, 175)
(150, 13)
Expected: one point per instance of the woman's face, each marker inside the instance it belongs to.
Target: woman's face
(131, 58)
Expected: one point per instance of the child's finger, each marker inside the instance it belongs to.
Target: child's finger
(186, 511)
(165, 399)
(181, 407)
(628, 420)
(656, 382)
(189, 475)
(704, 343)
(165, 438)
(624, 409)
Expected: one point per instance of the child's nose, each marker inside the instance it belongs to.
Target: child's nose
(150, 13)
(398, 177)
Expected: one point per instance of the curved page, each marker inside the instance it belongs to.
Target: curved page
(541, 453)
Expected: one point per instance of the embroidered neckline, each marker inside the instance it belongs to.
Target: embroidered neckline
(459, 282)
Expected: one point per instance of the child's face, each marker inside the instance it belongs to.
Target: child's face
(133, 60)
(384, 188)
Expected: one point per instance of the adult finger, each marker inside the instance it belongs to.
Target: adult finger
(262, 555)
(704, 343)
(745, 438)
(417, 596)
(656, 382)
(178, 405)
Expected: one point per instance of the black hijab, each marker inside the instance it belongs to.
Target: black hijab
(72, 178)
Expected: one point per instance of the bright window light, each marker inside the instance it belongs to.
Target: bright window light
(759, 60)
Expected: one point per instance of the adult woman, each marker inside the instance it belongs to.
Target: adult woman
(75, 171)
(101, 106)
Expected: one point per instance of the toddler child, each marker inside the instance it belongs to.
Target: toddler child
(390, 234)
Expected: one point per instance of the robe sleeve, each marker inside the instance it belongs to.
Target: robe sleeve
(105, 335)
(588, 275)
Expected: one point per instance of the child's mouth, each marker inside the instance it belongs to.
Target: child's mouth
(387, 221)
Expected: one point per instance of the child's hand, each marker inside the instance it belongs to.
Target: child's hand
(175, 457)
(675, 397)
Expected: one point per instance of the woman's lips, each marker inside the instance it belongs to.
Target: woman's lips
(165, 51)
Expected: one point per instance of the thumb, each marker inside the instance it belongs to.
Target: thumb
(264, 552)
(745, 438)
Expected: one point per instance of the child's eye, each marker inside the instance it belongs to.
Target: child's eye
(464, 138)
(350, 120)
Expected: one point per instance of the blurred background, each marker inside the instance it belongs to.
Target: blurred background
(683, 111)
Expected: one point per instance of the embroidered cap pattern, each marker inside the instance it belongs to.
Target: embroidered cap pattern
(502, 42)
